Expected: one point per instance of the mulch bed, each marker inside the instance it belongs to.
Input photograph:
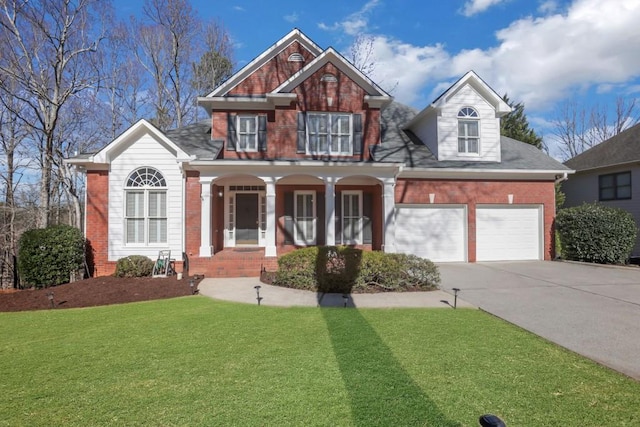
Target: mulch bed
(96, 291)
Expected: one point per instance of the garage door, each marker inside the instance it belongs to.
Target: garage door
(508, 233)
(436, 233)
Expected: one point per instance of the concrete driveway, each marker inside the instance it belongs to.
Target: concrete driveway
(592, 310)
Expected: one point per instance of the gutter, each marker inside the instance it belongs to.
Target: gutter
(562, 178)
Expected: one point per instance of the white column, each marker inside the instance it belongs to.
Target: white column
(389, 219)
(206, 250)
(330, 210)
(270, 236)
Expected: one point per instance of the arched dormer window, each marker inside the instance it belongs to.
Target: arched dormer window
(296, 57)
(468, 131)
(329, 78)
(145, 208)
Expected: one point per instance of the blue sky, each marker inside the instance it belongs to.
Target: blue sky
(541, 52)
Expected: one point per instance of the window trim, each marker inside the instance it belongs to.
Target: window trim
(467, 116)
(360, 232)
(314, 218)
(616, 186)
(145, 183)
(239, 133)
(329, 134)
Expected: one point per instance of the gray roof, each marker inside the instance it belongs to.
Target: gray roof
(621, 148)
(402, 146)
(195, 139)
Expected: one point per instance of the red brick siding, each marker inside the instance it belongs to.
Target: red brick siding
(193, 206)
(97, 220)
(273, 73)
(312, 96)
(472, 193)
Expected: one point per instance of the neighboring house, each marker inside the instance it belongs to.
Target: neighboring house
(303, 149)
(608, 173)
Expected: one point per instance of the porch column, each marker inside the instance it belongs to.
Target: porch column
(205, 218)
(270, 236)
(330, 210)
(389, 220)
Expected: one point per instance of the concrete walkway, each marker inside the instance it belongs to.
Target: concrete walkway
(243, 290)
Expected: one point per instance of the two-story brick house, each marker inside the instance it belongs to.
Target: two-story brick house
(303, 149)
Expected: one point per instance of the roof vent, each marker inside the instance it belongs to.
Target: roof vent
(329, 78)
(296, 57)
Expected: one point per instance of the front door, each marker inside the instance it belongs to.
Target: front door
(246, 219)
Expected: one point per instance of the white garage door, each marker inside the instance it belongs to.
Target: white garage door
(436, 233)
(508, 233)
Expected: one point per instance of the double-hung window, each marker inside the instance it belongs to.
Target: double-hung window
(247, 129)
(329, 134)
(146, 207)
(352, 217)
(468, 131)
(305, 218)
(615, 186)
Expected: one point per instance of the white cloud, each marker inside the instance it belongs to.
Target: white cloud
(239, 8)
(355, 23)
(292, 17)
(536, 60)
(473, 7)
(548, 6)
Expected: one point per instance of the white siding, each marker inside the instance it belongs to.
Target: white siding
(145, 151)
(583, 187)
(427, 131)
(448, 127)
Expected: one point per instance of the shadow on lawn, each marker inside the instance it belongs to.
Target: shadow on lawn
(381, 391)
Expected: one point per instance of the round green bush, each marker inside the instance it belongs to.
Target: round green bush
(134, 266)
(342, 269)
(48, 256)
(596, 233)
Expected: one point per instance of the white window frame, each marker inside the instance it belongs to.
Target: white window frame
(146, 184)
(243, 132)
(468, 116)
(300, 240)
(358, 219)
(330, 135)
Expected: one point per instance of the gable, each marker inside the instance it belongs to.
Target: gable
(329, 89)
(274, 72)
(295, 36)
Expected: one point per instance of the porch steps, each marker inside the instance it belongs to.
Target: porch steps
(233, 262)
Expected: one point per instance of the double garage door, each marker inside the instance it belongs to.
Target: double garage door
(439, 233)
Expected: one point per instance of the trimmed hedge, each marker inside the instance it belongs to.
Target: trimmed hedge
(134, 266)
(48, 256)
(596, 233)
(343, 269)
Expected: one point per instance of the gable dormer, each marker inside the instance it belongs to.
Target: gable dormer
(463, 123)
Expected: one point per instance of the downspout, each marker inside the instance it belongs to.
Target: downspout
(562, 178)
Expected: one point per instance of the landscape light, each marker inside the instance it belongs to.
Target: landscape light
(455, 297)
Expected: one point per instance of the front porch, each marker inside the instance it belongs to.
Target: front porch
(247, 220)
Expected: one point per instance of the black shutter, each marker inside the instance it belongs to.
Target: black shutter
(357, 134)
(321, 223)
(338, 218)
(288, 218)
(232, 136)
(262, 133)
(367, 209)
(302, 132)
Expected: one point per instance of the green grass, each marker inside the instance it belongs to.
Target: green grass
(194, 361)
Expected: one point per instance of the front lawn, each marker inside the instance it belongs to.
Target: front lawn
(195, 361)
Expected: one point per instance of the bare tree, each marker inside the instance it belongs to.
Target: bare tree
(51, 47)
(362, 55)
(579, 128)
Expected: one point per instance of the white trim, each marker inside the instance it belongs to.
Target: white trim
(239, 117)
(360, 233)
(330, 55)
(314, 217)
(330, 117)
(293, 36)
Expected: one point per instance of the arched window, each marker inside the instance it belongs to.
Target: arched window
(468, 131)
(296, 57)
(145, 207)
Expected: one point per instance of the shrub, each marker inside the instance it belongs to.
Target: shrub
(345, 269)
(596, 233)
(134, 266)
(48, 256)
